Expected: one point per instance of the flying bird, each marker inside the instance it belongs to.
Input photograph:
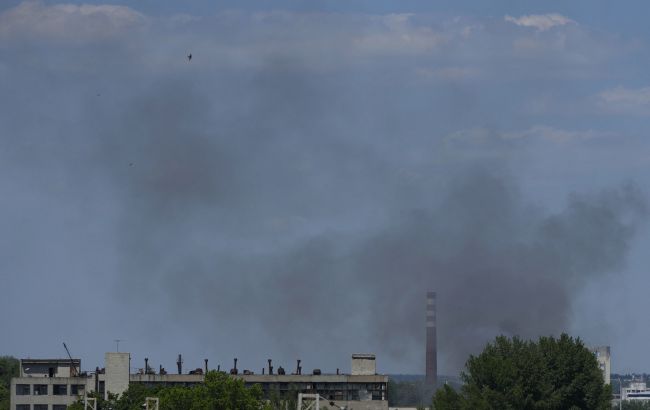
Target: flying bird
(189, 57)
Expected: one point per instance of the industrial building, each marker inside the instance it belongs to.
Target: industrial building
(53, 384)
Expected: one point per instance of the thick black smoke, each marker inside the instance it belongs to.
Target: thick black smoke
(262, 206)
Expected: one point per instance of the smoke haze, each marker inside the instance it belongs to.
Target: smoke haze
(217, 218)
(295, 189)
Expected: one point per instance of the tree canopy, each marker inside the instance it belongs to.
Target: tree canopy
(219, 392)
(9, 367)
(515, 374)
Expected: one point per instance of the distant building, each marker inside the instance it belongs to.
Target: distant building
(635, 391)
(54, 384)
(604, 361)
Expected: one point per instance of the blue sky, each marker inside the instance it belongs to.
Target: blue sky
(314, 169)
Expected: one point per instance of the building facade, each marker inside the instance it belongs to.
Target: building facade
(52, 385)
(603, 357)
(637, 391)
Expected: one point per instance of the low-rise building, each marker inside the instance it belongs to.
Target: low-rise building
(54, 384)
(636, 391)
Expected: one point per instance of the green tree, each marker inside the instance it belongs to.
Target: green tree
(513, 374)
(110, 404)
(4, 397)
(9, 367)
(635, 405)
(218, 392)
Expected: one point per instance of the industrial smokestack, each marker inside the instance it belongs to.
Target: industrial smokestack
(431, 344)
(146, 365)
(206, 365)
(179, 363)
(270, 367)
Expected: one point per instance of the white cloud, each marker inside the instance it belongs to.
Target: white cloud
(627, 97)
(553, 134)
(628, 101)
(540, 22)
(68, 22)
(398, 35)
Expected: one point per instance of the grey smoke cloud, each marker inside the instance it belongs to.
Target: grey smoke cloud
(296, 188)
(247, 217)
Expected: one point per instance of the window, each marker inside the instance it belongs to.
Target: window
(22, 389)
(77, 389)
(40, 390)
(22, 406)
(40, 406)
(60, 389)
(59, 407)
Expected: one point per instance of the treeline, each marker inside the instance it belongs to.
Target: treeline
(220, 391)
(512, 373)
(9, 367)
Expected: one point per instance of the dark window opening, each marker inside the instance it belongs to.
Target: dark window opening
(59, 389)
(77, 389)
(40, 390)
(22, 389)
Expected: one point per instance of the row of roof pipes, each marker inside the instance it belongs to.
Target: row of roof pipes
(234, 371)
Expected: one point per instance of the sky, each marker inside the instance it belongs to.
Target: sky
(293, 190)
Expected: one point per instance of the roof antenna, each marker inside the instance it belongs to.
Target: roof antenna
(117, 344)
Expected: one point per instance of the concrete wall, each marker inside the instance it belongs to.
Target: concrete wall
(604, 361)
(364, 364)
(117, 372)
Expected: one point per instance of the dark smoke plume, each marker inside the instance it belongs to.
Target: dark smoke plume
(266, 216)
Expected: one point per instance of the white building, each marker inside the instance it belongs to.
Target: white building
(53, 384)
(635, 391)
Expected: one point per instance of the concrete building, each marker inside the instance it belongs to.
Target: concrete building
(52, 385)
(48, 384)
(636, 391)
(604, 361)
